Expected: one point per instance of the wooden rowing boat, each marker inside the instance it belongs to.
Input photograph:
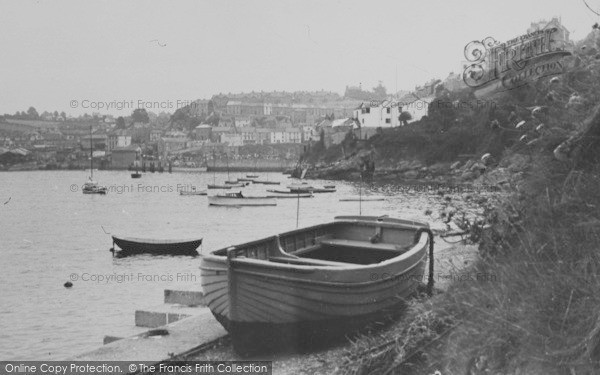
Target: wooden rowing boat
(316, 282)
(237, 183)
(277, 191)
(362, 199)
(216, 186)
(237, 199)
(297, 195)
(266, 182)
(193, 192)
(306, 188)
(134, 246)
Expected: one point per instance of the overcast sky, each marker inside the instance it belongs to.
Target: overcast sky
(54, 52)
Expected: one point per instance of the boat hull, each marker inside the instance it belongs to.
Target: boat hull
(267, 182)
(130, 246)
(291, 196)
(101, 191)
(220, 187)
(183, 192)
(244, 201)
(274, 303)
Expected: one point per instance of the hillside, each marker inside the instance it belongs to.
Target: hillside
(540, 314)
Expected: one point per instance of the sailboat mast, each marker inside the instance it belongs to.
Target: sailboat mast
(91, 155)
(214, 166)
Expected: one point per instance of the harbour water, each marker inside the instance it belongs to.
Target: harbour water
(51, 233)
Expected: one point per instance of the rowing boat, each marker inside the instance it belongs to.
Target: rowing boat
(297, 195)
(216, 186)
(313, 283)
(266, 182)
(135, 246)
(362, 199)
(193, 191)
(238, 199)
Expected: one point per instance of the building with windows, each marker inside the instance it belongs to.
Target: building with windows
(378, 115)
(118, 138)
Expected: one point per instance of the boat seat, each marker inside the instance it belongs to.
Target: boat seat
(306, 261)
(363, 245)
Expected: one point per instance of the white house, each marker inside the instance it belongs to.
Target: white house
(286, 135)
(119, 139)
(233, 139)
(378, 115)
(417, 107)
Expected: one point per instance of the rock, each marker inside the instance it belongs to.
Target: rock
(411, 174)
(439, 168)
(468, 176)
(516, 162)
(497, 177)
(403, 165)
(416, 164)
(477, 167)
(468, 165)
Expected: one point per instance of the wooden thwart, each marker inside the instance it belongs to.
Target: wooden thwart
(361, 244)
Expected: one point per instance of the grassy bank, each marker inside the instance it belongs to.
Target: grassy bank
(537, 311)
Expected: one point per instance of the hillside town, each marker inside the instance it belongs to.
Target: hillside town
(257, 125)
(252, 126)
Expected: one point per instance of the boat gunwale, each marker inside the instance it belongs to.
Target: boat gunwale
(418, 246)
(344, 266)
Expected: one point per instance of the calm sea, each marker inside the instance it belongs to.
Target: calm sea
(51, 233)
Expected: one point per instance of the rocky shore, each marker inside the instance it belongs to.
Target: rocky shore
(470, 172)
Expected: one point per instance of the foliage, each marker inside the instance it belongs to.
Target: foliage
(536, 311)
(140, 115)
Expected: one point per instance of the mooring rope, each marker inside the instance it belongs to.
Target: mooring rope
(417, 238)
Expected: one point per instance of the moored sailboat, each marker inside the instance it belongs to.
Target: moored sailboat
(91, 186)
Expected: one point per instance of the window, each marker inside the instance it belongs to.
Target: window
(388, 120)
(368, 110)
(388, 110)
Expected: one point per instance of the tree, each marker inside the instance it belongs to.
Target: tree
(405, 117)
(63, 115)
(55, 114)
(140, 115)
(120, 123)
(32, 113)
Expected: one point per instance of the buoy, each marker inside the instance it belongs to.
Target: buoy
(539, 128)
(555, 80)
(485, 157)
(523, 138)
(68, 284)
(521, 123)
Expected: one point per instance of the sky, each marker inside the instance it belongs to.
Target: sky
(76, 56)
